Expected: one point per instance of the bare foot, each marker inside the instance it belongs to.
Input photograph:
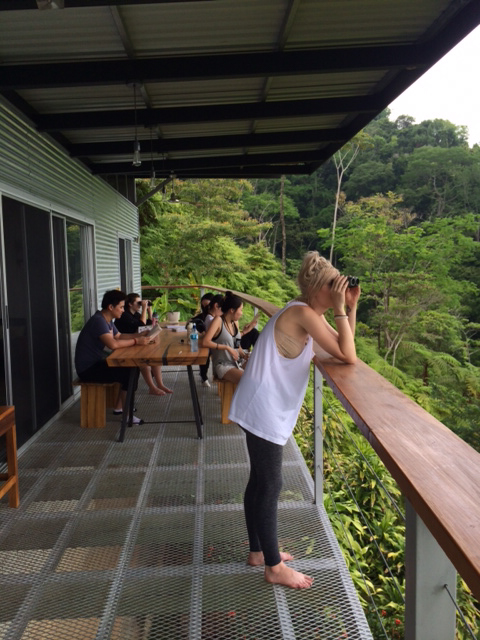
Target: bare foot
(255, 558)
(154, 391)
(164, 388)
(281, 574)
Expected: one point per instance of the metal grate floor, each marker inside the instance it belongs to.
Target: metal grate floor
(145, 540)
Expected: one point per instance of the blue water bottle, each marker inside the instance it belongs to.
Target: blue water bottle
(194, 339)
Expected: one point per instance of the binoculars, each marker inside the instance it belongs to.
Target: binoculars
(353, 281)
(149, 303)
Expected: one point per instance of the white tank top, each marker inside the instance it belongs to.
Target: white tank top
(270, 393)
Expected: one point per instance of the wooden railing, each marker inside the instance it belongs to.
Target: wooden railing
(438, 473)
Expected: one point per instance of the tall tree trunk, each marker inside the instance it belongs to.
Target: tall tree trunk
(425, 374)
(342, 161)
(282, 222)
(337, 200)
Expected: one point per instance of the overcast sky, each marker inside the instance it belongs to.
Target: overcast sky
(450, 90)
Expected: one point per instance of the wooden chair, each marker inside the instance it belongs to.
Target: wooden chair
(9, 480)
(225, 390)
(96, 397)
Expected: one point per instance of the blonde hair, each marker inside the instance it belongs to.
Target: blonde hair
(314, 273)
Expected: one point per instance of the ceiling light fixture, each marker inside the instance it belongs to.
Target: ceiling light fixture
(50, 4)
(173, 198)
(152, 175)
(137, 161)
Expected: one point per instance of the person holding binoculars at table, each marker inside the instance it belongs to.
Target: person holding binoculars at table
(138, 313)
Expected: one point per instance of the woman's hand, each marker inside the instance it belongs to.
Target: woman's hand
(351, 296)
(248, 327)
(233, 353)
(338, 294)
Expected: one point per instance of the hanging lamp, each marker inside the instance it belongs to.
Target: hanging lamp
(137, 160)
(173, 198)
(152, 175)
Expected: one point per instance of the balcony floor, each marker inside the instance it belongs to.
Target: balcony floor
(146, 540)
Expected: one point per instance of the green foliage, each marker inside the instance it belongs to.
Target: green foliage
(211, 240)
(409, 228)
(441, 182)
(77, 314)
(413, 304)
(373, 176)
(183, 300)
(359, 498)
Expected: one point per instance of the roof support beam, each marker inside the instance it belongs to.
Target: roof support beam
(170, 145)
(242, 65)
(184, 115)
(213, 162)
(22, 5)
(233, 172)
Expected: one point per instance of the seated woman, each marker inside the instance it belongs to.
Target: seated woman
(220, 339)
(214, 309)
(129, 322)
(199, 318)
(100, 332)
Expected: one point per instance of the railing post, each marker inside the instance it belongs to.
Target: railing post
(429, 611)
(318, 435)
(202, 292)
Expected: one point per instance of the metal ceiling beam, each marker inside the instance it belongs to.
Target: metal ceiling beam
(169, 145)
(22, 5)
(213, 113)
(244, 65)
(213, 162)
(232, 172)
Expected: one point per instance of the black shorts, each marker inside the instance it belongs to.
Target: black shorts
(101, 372)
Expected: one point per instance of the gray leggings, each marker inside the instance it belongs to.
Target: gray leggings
(261, 496)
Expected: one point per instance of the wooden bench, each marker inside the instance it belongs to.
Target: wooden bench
(225, 389)
(96, 397)
(9, 480)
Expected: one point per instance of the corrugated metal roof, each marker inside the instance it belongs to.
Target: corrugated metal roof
(250, 75)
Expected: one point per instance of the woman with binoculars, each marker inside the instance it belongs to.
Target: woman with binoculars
(138, 313)
(270, 393)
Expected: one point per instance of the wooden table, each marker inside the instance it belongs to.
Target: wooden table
(172, 348)
(10, 484)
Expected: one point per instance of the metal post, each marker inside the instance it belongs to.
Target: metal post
(429, 611)
(318, 435)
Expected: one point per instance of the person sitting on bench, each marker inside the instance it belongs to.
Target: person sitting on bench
(100, 332)
(222, 338)
(135, 316)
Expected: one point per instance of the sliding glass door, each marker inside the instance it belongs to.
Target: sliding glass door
(31, 315)
(47, 291)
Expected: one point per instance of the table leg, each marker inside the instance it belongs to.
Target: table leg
(196, 404)
(127, 415)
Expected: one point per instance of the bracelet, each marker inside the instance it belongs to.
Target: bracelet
(134, 342)
(341, 316)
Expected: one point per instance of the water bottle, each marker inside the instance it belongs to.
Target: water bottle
(194, 339)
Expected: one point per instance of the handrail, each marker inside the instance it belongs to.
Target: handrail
(267, 307)
(436, 470)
